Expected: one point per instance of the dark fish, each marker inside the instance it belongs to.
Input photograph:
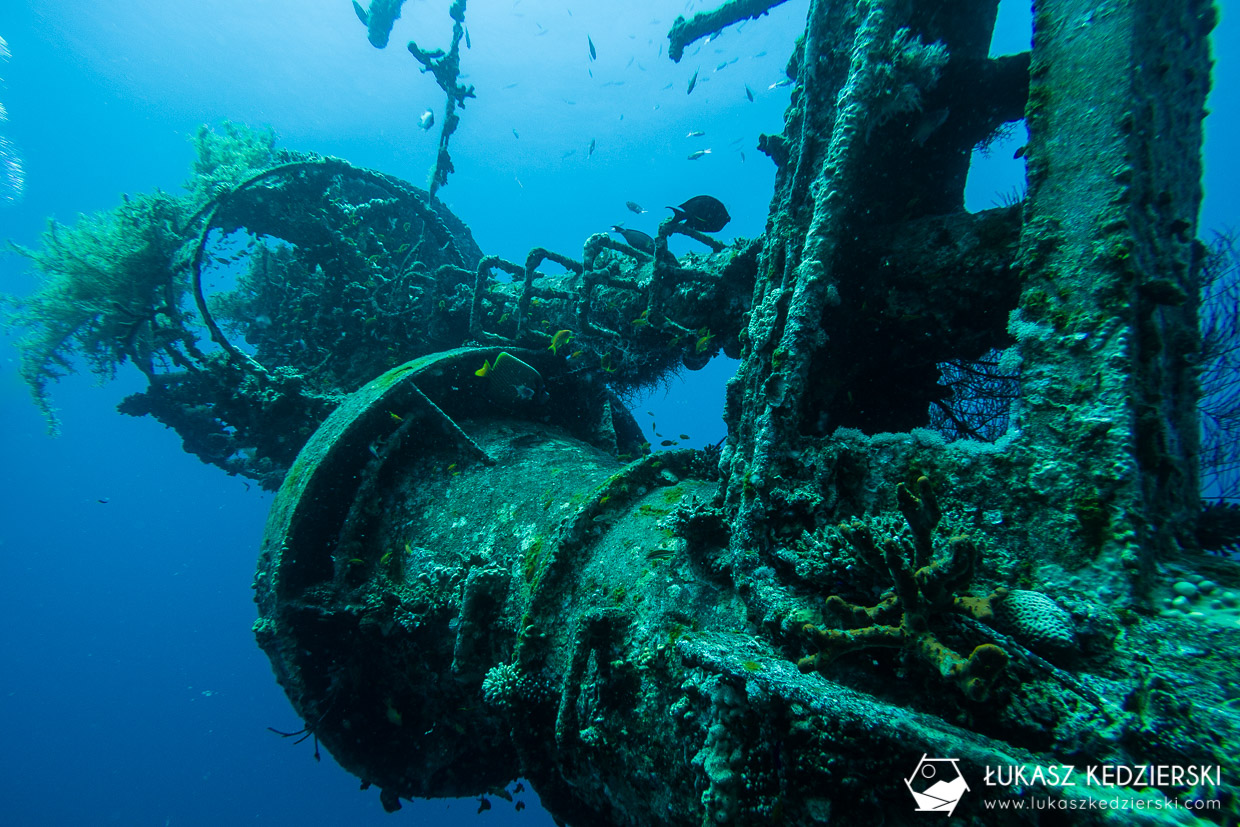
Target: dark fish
(702, 213)
(748, 93)
(590, 151)
(634, 207)
(693, 156)
(692, 82)
(635, 239)
(593, 53)
(467, 43)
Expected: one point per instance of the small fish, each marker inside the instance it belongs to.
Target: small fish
(693, 156)
(748, 93)
(577, 354)
(635, 239)
(514, 133)
(929, 123)
(630, 63)
(513, 85)
(779, 83)
(568, 154)
(427, 120)
(703, 213)
(396, 417)
(684, 436)
(562, 337)
(703, 342)
(593, 52)
(590, 151)
(634, 207)
(697, 133)
(467, 43)
(485, 369)
(721, 66)
(692, 82)
(667, 443)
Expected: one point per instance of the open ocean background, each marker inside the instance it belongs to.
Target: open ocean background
(131, 689)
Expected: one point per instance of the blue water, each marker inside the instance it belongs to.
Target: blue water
(131, 690)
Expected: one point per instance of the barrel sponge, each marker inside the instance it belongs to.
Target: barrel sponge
(1036, 620)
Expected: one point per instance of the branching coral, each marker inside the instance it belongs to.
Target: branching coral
(110, 292)
(924, 588)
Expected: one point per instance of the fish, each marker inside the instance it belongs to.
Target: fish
(561, 338)
(634, 207)
(568, 154)
(703, 213)
(692, 82)
(779, 83)
(427, 120)
(684, 436)
(703, 342)
(697, 133)
(467, 43)
(748, 93)
(514, 133)
(593, 51)
(590, 151)
(635, 239)
(929, 123)
(693, 156)
(721, 66)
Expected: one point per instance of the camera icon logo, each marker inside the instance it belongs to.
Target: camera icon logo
(937, 785)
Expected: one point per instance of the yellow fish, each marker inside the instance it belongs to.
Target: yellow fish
(485, 369)
(562, 337)
(704, 342)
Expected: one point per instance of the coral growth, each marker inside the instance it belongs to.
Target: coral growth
(925, 588)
